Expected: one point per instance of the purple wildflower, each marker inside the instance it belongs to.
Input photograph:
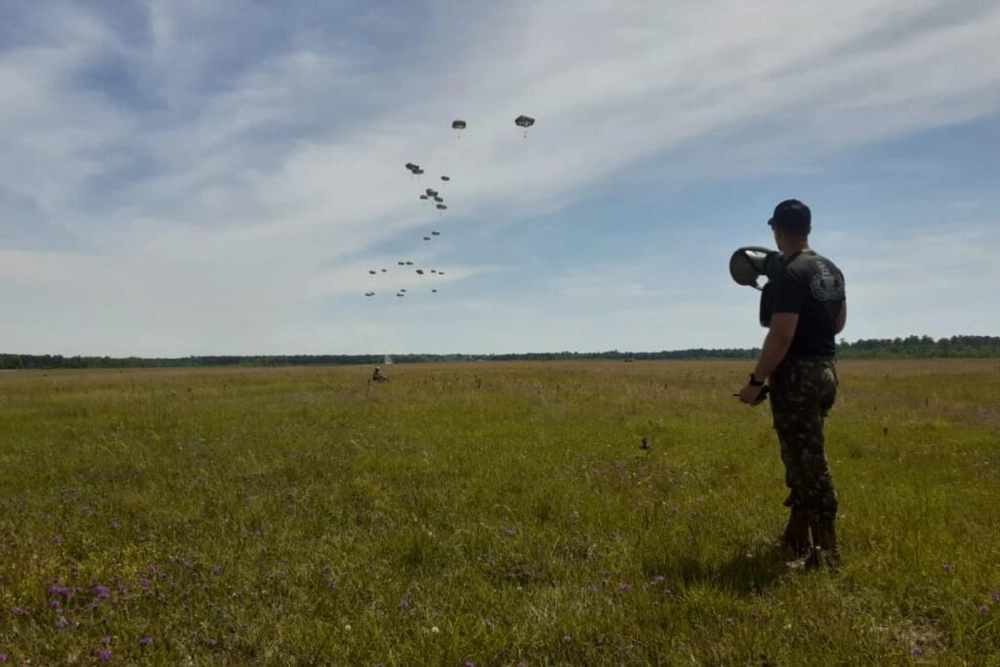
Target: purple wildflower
(917, 651)
(63, 591)
(948, 567)
(105, 640)
(211, 643)
(104, 655)
(488, 623)
(144, 583)
(102, 592)
(659, 579)
(469, 663)
(218, 569)
(625, 588)
(20, 611)
(145, 641)
(567, 639)
(984, 609)
(92, 606)
(405, 604)
(995, 597)
(55, 604)
(62, 623)
(3, 657)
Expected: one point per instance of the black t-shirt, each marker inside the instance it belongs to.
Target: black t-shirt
(813, 287)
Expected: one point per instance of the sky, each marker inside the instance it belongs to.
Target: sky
(200, 177)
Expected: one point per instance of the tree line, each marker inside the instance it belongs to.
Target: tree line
(911, 347)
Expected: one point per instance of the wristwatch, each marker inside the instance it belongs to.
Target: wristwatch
(754, 382)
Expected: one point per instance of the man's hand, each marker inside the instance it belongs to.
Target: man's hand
(752, 395)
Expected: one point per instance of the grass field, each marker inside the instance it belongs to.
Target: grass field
(489, 514)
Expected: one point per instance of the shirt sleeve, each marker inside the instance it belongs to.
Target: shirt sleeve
(787, 294)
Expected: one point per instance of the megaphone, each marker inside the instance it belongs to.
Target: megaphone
(749, 263)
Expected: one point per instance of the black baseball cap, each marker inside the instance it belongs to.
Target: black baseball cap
(793, 215)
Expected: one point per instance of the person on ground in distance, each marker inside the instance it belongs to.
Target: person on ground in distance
(798, 361)
(378, 376)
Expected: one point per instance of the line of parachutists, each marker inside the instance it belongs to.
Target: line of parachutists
(430, 194)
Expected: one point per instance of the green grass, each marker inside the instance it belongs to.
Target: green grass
(492, 514)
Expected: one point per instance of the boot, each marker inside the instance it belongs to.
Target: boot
(796, 536)
(825, 548)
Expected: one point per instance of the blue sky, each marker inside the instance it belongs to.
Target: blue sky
(205, 177)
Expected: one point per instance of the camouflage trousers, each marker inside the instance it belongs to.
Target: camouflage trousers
(803, 391)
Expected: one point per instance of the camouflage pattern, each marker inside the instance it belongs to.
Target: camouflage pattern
(803, 391)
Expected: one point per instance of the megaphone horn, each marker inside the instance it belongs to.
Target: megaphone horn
(749, 263)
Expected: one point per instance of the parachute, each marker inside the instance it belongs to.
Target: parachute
(524, 122)
(420, 272)
(458, 124)
(435, 233)
(446, 178)
(438, 199)
(441, 207)
(427, 238)
(372, 272)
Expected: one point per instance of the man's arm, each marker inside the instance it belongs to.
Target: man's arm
(776, 343)
(841, 321)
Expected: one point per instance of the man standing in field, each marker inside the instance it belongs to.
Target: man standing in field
(808, 307)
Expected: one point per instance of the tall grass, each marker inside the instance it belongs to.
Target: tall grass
(491, 514)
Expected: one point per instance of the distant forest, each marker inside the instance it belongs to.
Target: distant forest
(912, 347)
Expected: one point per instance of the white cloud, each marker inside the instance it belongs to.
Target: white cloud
(252, 195)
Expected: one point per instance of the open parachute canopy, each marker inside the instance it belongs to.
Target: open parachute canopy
(524, 121)
(458, 124)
